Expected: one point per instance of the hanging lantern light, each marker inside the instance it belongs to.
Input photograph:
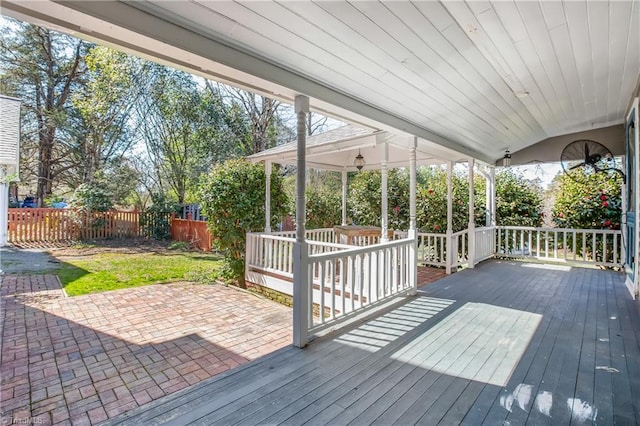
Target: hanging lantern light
(506, 160)
(359, 161)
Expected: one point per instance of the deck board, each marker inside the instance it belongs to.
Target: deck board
(457, 353)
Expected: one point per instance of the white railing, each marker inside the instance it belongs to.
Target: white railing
(273, 253)
(432, 247)
(485, 243)
(459, 248)
(323, 235)
(348, 281)
(269, 253)
(594, 246)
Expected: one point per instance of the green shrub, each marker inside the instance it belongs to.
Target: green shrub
(518, 201)
(594, 204)
(156, 220)
(232, 198)
(90, 198)
(364, 200)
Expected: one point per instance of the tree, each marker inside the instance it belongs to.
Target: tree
(42, 68)
(104, 104)
(518, 201)
(232, 198)
(184, 130)
(251, 117)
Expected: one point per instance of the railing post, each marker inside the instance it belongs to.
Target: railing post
(449, 251)
(449, 243)
(301, 283)
(4, 207)
(248, 254)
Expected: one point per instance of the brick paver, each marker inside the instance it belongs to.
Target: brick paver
(427, 275)
(85, 359)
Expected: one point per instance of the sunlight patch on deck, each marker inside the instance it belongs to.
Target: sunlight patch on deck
(379, 332)
(477, 342)
(547, 266)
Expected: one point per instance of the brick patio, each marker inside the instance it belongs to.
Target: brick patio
(85, 359)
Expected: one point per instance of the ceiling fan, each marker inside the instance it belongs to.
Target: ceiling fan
(582, 159)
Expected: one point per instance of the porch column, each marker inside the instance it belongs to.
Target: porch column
(4, 207)
(384, 194)
(413, 233)
(493, 219)
(472, 231)
(344, 198)
(449, 241)
(301, 290)
(267, 197)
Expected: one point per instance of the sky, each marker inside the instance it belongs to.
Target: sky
(543, 171)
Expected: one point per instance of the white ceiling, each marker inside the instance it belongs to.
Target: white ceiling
(476, 76)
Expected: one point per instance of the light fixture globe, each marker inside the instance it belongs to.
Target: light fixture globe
(359, 161)
(506, 160)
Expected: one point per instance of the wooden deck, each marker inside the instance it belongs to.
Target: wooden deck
(505, 343)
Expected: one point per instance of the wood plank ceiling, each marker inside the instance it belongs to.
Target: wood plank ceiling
(485, 75)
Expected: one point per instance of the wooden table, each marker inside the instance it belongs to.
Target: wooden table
(359, 235)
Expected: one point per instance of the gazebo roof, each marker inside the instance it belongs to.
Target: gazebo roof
(336, 150)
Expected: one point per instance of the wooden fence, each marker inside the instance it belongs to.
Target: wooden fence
(194, 232)
(50, 225)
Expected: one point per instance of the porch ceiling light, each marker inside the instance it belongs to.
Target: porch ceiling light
(359, 161)
(506, 160)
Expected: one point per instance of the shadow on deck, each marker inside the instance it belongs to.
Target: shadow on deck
(504, 343)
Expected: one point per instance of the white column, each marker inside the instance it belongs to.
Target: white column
(413, 232)
(472, 230)
(449, 242)
(494, 217)
(492, 207)
(4, 207)
(301, 290)
(384, 193)
(267, 197)
(344, 197)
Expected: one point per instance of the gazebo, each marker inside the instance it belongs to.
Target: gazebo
(339, 277)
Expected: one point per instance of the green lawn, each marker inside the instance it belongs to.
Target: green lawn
(113, 271)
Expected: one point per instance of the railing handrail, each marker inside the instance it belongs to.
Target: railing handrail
(547, 229)
(431, 234)
(268, 236)
(457, 234)
(358, 250)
